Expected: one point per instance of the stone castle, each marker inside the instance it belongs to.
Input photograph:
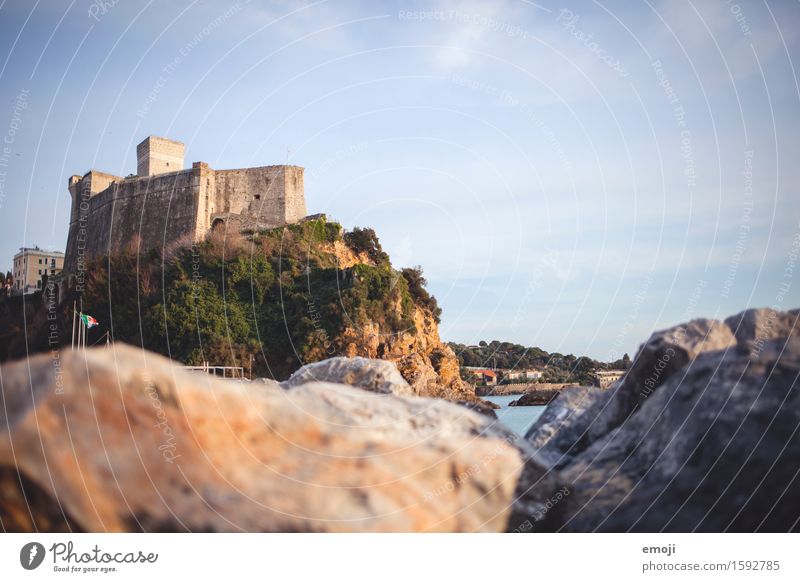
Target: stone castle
(164, 204)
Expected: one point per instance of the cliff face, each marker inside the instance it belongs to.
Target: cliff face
(430, 366)
(393, 317)
(425, 362)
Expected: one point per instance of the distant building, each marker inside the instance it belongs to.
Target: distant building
(604, 378)
(31, 264)
(533, 374)
(520, 375)
(513, 375)
(483, 375)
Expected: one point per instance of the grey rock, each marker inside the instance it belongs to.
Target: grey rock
(266, 382)
(667, 352)
(536, 398)
(558, 443)
(560, 414)
(379, 376)
(757, 326)
(662, 355)
(714, 449)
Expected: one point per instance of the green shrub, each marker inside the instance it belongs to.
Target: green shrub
(364, 240)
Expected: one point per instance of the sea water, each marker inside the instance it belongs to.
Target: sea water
(517, 418)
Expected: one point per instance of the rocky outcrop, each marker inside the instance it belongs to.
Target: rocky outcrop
(536, 398)
(374, 375)
(119, 439)
(345, 256)
(570, 403)
(755, 326)
(663, 354)
(714, 450)
(432, 375)
(427, 364)
(707, 445)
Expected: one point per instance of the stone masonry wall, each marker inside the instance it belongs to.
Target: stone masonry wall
(159, 210)
(158, 155)
(272, 194)
(110, 212)
(295, 199)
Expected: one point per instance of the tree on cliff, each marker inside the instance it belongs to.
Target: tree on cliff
(416, 286)
(364, 240)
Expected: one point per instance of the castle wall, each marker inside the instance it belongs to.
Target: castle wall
(206, 179)
(158, 210)
(161, 207)
(269, 193)
(295, 199)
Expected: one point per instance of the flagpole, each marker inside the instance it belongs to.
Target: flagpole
(73, 325)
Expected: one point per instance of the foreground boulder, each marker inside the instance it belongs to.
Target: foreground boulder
(710, 445)
(663, 354)
(755, 326)
(374, 375)
(714, 450)
(118, 439)
(569, 405)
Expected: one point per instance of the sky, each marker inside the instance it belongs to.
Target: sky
(571, 176)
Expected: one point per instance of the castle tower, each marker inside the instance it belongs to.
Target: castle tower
(159, 155)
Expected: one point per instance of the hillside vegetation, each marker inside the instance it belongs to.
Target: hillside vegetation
(274, 299)
(556, 367)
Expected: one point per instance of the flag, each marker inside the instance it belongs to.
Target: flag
(88, 320)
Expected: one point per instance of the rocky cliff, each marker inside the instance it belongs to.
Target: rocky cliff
(427, 364)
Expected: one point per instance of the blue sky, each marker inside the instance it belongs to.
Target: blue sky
(571, 178)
